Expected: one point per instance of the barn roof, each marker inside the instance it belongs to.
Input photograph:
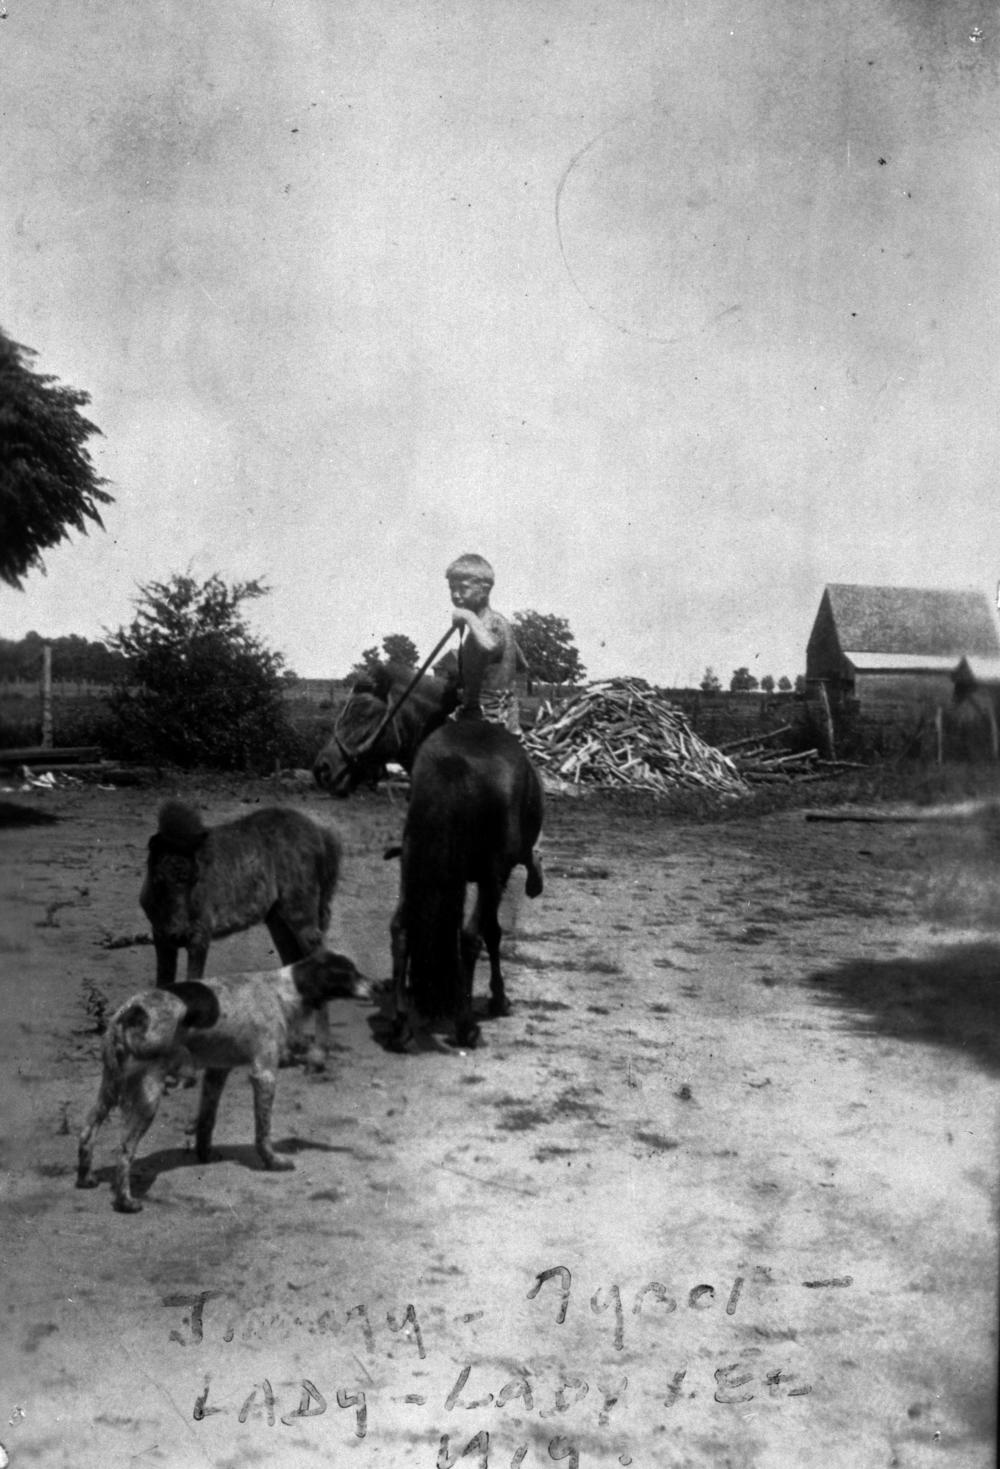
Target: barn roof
(914, 621)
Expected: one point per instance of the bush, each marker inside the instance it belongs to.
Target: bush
(199, 689)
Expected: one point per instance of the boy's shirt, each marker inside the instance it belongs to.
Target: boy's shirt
(487, 678)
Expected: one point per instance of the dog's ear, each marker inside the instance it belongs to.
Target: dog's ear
(201, 1004)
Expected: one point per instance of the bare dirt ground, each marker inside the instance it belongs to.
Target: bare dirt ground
(720, 1192)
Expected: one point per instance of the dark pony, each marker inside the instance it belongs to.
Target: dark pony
(475, 813)
(347, 760)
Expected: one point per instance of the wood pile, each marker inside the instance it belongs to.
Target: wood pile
(760, 763)
(623, 734)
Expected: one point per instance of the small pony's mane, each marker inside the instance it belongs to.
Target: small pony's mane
(180, 829)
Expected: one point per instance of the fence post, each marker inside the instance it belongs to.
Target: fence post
(826, 738)
(47, 696)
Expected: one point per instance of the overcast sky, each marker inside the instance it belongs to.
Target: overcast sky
(676, 310)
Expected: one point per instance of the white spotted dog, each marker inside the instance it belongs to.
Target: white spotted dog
(213, 1025)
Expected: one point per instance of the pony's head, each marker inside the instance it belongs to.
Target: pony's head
(365, 740)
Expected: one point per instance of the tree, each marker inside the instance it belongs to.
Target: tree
(396, 648)
(785, 683)
(710, 681)
(548, 647)
(742, 681)
(48, 484)
(199, 687)
(74, 659)
(800, 683)
(767, 683)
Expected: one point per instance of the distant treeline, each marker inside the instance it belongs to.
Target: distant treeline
(74, 660)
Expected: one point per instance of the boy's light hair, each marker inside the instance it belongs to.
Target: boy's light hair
(471, 566)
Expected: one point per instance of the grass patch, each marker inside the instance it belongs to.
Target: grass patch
(522, 1119)
(657, 1141)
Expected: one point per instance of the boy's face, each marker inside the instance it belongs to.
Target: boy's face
(469, 591)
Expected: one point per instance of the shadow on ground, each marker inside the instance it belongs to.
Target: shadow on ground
(14, 814)
(149, 1167)
(949, 999)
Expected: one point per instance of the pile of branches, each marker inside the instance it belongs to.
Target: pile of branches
(623, 734)
(761, 761)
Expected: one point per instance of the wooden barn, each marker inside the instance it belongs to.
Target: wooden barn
(902, 655)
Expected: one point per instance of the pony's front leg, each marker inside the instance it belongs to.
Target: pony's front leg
(399, 1009)
(166, 963)
(197, 952)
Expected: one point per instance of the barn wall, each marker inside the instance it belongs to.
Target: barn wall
(892, 714)
(823, 655)
(881, 692)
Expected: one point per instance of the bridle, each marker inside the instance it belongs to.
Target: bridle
(352, 758)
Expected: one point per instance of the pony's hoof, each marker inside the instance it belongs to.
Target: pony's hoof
(400, 1036)
(275, 1164)
(128, 1205)
(87, 1180)
(468, 1038)
(499, 1008)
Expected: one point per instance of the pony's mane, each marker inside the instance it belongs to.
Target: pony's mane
(387, 678)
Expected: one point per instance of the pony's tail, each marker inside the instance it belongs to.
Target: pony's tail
(433, 923)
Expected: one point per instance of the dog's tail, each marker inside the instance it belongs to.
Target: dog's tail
(135, 1034)
(116, 1052)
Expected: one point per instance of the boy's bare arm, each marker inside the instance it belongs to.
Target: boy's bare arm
(477, 629)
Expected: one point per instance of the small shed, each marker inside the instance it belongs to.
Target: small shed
(875, 647)
(892, 669)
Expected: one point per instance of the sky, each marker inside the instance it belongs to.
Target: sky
(674, 311)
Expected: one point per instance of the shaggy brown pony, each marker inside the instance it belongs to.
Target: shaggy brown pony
(276, 866)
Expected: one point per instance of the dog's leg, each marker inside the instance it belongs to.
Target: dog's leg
(320, 1049)
(141, 1093)
(211, 1090)
(262, 1079)
(107, 1097)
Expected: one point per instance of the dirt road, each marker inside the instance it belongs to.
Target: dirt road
(720, 1192)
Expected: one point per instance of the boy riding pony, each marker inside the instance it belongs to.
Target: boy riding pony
(489, 658)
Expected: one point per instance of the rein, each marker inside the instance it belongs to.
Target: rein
(351, 758)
